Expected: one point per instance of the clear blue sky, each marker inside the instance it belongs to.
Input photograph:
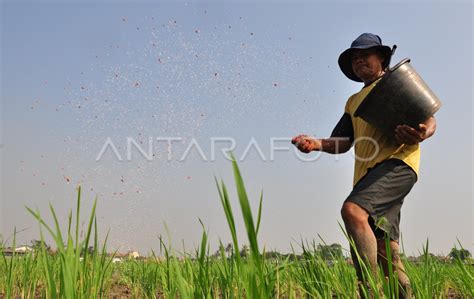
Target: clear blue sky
(75, 74)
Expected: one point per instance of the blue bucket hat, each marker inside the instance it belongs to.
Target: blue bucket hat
(364, 41)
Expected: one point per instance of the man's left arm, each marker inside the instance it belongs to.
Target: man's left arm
(407, 135)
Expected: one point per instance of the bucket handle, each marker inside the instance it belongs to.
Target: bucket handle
(390, 58)
(405, 60)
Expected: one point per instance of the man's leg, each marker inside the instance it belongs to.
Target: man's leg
(404, 281)
(356, 221)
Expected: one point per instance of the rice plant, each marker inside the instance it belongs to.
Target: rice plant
(81, 273)
(80, 266)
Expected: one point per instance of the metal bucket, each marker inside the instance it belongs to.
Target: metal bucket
(400, 98)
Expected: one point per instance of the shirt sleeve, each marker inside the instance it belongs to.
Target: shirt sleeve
(344, 128)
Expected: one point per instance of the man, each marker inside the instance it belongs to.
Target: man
(386, 168)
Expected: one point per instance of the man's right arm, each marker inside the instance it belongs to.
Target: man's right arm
(340, 141)
(336, 145)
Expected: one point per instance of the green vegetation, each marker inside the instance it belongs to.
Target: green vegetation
(80, 267)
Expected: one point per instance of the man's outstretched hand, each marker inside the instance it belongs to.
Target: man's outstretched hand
(306, 144)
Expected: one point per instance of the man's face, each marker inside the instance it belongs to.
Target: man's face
(367, 64)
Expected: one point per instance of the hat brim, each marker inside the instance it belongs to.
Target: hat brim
(345, 62)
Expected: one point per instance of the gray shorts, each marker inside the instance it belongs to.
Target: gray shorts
(381, 193)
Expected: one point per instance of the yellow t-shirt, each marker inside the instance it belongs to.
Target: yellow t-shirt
(371, 145)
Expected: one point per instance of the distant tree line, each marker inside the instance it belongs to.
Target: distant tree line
(326, 252)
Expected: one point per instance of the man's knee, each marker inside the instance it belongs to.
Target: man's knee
(395, 249)
(352, 213)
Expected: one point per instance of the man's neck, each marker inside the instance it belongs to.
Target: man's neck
(372, 80)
